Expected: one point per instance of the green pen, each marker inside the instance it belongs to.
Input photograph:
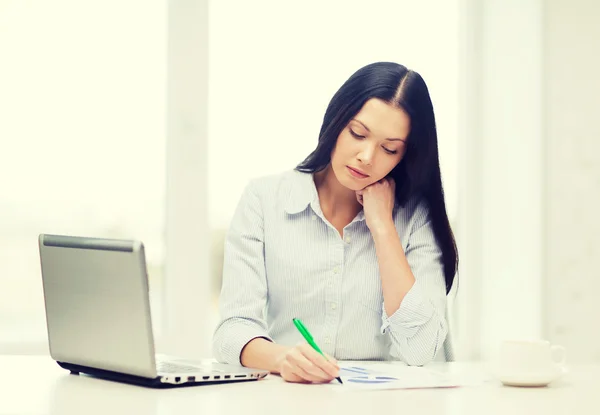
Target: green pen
(309, 338)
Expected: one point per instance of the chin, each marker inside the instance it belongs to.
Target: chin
(352, 185)
(355, 185)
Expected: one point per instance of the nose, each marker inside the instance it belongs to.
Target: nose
(365, 156)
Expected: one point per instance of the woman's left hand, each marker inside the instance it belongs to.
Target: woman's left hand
(378, 203)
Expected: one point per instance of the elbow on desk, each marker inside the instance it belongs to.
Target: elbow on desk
(218, 346)
(217, 349)
(423, 357)
(419, 352)
(419, 359)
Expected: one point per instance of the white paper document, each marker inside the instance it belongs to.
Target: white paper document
(399, 376)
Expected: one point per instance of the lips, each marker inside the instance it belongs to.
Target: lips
(357, 173)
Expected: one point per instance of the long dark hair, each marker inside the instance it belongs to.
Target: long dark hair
(418, 174)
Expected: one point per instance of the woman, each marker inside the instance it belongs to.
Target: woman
(355, 242)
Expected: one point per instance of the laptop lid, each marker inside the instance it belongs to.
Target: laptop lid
(97, 303)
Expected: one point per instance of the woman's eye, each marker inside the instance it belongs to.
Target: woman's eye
(355, 135)
(390, 151)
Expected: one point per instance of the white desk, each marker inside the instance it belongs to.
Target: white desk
(36, 385)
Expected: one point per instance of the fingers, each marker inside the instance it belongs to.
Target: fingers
(335, 364)
(371, 188)
(291, 372)
(289, 376)
(303, 366)
(327, 366)
(305, 370)
(389, 181)
(359, 197)
(333, 361)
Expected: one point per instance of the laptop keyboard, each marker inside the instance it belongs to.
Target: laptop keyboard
(169, 367)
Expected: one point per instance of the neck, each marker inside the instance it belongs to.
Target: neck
(334, 198)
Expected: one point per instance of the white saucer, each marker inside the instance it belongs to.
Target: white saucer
(529, 379)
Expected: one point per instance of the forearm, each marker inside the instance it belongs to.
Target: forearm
(396, 276)
(263, 354)
(412, 317)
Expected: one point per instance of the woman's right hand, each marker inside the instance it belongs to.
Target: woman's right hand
(303, 364)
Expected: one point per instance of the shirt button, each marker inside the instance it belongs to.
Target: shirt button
(333, 306)
(347, 239)
(327, 340)
(314, 217)
(336, 270)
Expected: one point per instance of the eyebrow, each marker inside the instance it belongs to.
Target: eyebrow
(367, 128)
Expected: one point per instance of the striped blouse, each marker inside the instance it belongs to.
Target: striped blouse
(283, 259)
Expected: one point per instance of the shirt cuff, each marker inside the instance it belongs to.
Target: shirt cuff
(231, 351)
(413, 312)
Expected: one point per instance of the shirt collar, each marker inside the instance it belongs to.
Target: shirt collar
(302, 192)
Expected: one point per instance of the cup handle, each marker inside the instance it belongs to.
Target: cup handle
(559, 355)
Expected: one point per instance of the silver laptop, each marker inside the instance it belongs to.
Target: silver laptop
(99, 320)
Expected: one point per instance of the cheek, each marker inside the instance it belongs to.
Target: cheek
(386, 166)
(342, 149)
(335, 155)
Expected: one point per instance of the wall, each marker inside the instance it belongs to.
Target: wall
(273, 69)
(82, 137)
(572, 185)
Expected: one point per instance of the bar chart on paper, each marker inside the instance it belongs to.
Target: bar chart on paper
(398, 376)
(360, 375)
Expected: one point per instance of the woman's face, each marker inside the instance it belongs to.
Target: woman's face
(371, 145)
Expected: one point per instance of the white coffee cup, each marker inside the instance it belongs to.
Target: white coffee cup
(530, 362)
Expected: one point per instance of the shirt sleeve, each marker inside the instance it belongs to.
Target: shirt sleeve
(244, 287)
(418, 328)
